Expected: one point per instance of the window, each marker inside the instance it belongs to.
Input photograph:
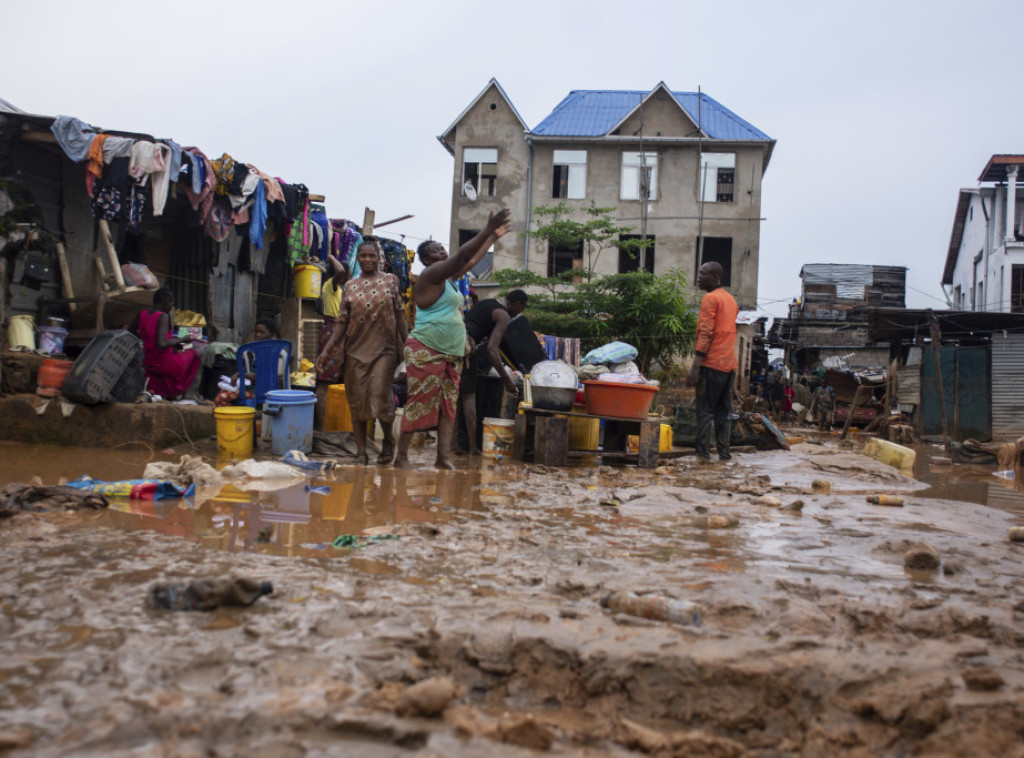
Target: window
(639, 176)
(569, 178)
(480, 168)
(718, 177)
(630, 261)
(1016, 288)
(565, 259)
(958, 298)
(718, 249)
(486, 264)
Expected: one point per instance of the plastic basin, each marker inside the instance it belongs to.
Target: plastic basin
(618, 399)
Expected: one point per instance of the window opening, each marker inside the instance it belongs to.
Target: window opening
(569, 175)
(630, 260)
(480, 167)
(639, 176)
(718, 177)
(719, 250)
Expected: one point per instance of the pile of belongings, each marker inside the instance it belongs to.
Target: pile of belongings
(614, 362)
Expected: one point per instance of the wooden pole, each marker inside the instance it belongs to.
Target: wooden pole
(853, 409)
(368, 217)
(65, 275)
(936, 343)
(108, 243)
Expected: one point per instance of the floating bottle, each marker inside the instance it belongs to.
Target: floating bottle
(653, 607)
(885, 500)
(1017, 533)
(207, 594)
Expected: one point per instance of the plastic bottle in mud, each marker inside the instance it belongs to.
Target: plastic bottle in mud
(885, 500)
(653, 607)
(207, 594)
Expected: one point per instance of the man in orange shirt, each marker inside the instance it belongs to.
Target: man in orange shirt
(715, 365)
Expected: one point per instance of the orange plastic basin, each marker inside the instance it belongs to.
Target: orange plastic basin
(619, 400)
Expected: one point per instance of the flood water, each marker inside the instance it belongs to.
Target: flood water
(307, 518)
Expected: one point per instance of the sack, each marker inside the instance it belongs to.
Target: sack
(139, 275)
(613, 352)
(37, 267)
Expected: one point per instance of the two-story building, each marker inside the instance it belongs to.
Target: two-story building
(679, 168)
(985, 261)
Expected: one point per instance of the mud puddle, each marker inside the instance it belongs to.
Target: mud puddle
(480, 630)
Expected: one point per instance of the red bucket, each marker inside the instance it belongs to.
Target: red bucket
(51, 376)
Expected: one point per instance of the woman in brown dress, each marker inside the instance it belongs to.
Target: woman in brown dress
(369, 336)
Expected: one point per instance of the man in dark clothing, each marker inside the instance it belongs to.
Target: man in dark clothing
(486, 323)
(823, 405)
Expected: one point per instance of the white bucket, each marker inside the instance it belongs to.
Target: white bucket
(498, 436)
(21, 333)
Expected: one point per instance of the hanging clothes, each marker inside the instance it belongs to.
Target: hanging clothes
(117, 147)
(150, 161)
(258, 221)
(174, 165)
(224, 172)
(202, 199)
(319, 217)
(74, 136)
(94, 168)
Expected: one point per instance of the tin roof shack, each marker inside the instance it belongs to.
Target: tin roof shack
(829, 324)
(970, 387)
(46, 210)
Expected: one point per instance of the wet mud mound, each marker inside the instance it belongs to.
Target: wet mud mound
(485, 634)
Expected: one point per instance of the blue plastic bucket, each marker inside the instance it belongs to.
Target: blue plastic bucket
(290, 417)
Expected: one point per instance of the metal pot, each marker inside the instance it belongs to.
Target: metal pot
(553, 398)
(553, 374)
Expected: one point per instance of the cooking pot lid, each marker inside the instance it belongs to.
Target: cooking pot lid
(554, 374)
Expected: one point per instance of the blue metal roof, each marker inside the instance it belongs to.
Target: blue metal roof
(593, 113)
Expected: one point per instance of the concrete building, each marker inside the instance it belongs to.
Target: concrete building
(985, 261)
(680, 168)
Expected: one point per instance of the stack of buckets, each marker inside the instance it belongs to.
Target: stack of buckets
(288, 414)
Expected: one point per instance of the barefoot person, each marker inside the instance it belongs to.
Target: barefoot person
(368, 338)
(172, 369)
(437, 345)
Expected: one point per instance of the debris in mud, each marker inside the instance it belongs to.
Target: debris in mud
(771, 502)
(11, 739)
(1017, 534)
(653, 607)
(191, 469)
(821, 487)
(796, 505)
(15, 498)
(526, 732)
(894, 500)
(982, 679)
(429, 697)
(207, 594)
(921, 556)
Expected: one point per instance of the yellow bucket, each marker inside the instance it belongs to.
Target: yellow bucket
(307, 281)
(337, 417)
(21, 333)
(584, 433)
(498, 436)
(234, 431)
(665, 438)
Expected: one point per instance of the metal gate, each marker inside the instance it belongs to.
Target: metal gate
(965, 392)
(1007, 374)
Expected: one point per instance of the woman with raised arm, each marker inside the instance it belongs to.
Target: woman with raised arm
(437, 345)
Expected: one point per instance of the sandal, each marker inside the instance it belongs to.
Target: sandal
(387, 452)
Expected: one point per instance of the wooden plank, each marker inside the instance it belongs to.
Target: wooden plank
(65, 275)
(551, 441)
(647, 452)
(108, 243)
(519, 437)
(368, 217)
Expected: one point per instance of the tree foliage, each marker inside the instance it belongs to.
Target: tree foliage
(597, 232)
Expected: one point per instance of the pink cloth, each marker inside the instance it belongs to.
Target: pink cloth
(204, 199)
(170, 373)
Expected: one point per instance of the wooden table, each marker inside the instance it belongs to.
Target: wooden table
(544, 435)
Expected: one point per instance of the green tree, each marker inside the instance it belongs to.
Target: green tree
(655, 314)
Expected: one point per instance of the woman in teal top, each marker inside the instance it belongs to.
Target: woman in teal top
(437, 344)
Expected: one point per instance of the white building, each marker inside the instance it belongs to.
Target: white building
(985, 262)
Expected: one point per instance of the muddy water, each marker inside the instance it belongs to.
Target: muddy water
(815, 639)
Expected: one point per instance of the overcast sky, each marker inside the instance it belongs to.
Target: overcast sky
(881, 110)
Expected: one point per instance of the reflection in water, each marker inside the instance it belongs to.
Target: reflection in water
(969, 483)
(295, 521)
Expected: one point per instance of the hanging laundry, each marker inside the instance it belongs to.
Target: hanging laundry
(202, 199)
(271, 185)
(397, 261)
(258, 223)
(117, 147)
(94, 169)
(174, 166)
(218, 223)
(150, 161)
(224, 171)
(74, 136)
(319, 217)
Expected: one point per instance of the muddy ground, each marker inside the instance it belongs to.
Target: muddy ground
(479, 631)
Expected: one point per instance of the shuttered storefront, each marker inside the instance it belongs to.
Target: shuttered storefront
(1007, 390)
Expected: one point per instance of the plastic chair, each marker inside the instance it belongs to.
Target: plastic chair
(263, 365)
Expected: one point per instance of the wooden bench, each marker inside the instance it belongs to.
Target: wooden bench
(544, 436)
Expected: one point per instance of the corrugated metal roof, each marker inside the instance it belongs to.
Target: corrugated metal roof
(7, 107)
(593, 113)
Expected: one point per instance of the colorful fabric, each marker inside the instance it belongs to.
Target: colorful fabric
(224, 173)
(295, 246)
(716, 331)
(332, 362)
(440, 326)
(170, 372)
(202, 199)
(136, 489)
(94, 168)
(433, 386)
